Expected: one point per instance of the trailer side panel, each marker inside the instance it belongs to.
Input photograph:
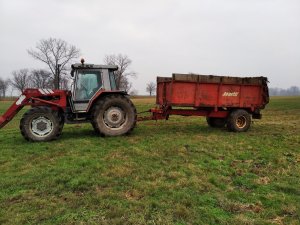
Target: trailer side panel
(202, 91)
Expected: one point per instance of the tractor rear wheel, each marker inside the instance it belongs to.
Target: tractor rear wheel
(41, 124)
(239, 121)
(114, 115)
(216, 122)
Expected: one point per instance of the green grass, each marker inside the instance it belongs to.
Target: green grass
(167, 172)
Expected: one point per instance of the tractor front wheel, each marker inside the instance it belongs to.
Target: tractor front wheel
(113, 115)
(41, 124)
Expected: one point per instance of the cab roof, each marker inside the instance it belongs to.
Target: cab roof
(93, 66)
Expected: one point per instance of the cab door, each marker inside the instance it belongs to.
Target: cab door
(87, 84)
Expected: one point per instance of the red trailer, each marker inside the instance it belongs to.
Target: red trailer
(225, 101)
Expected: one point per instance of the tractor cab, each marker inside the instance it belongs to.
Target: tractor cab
(89, 79)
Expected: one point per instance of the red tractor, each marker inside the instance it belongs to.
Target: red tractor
(93, 99)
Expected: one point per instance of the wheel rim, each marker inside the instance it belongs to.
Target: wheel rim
(114, 118)
(241, 122)
(41, 126)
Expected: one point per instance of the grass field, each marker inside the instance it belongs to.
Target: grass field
(167, 172)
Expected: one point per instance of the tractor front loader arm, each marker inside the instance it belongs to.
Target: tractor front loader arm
(13, 110)
(35, 97)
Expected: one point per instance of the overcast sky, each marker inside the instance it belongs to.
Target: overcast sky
(221, 37)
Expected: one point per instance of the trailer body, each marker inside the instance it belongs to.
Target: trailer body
(211, 96)
(212, 91)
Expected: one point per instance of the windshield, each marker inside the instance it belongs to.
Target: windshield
(87, 84)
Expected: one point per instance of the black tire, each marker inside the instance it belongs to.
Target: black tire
(114, 115)
(41, 124)
(216, 122)
(239, 121)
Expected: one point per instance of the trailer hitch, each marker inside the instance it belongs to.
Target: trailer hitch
(156, 114)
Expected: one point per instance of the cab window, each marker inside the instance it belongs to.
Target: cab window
(88, 83)
(112, 80)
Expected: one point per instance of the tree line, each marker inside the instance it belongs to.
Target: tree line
(58, 55)
(291, 91)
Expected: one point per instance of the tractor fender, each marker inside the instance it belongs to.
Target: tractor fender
(102, 94)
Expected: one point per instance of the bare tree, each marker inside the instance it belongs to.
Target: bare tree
(3, 86)
(64, 83)
(122, 74)
(41, 79)
(57, 54)
(134, 92)
(125, 84)
(20, 79)
(293, 90)
(151, 88)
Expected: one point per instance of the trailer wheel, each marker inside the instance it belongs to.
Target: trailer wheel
(41, 124)
(239, 121)
(216, 122)
(114, 115)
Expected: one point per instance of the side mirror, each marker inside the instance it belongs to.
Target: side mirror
(72, 73)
